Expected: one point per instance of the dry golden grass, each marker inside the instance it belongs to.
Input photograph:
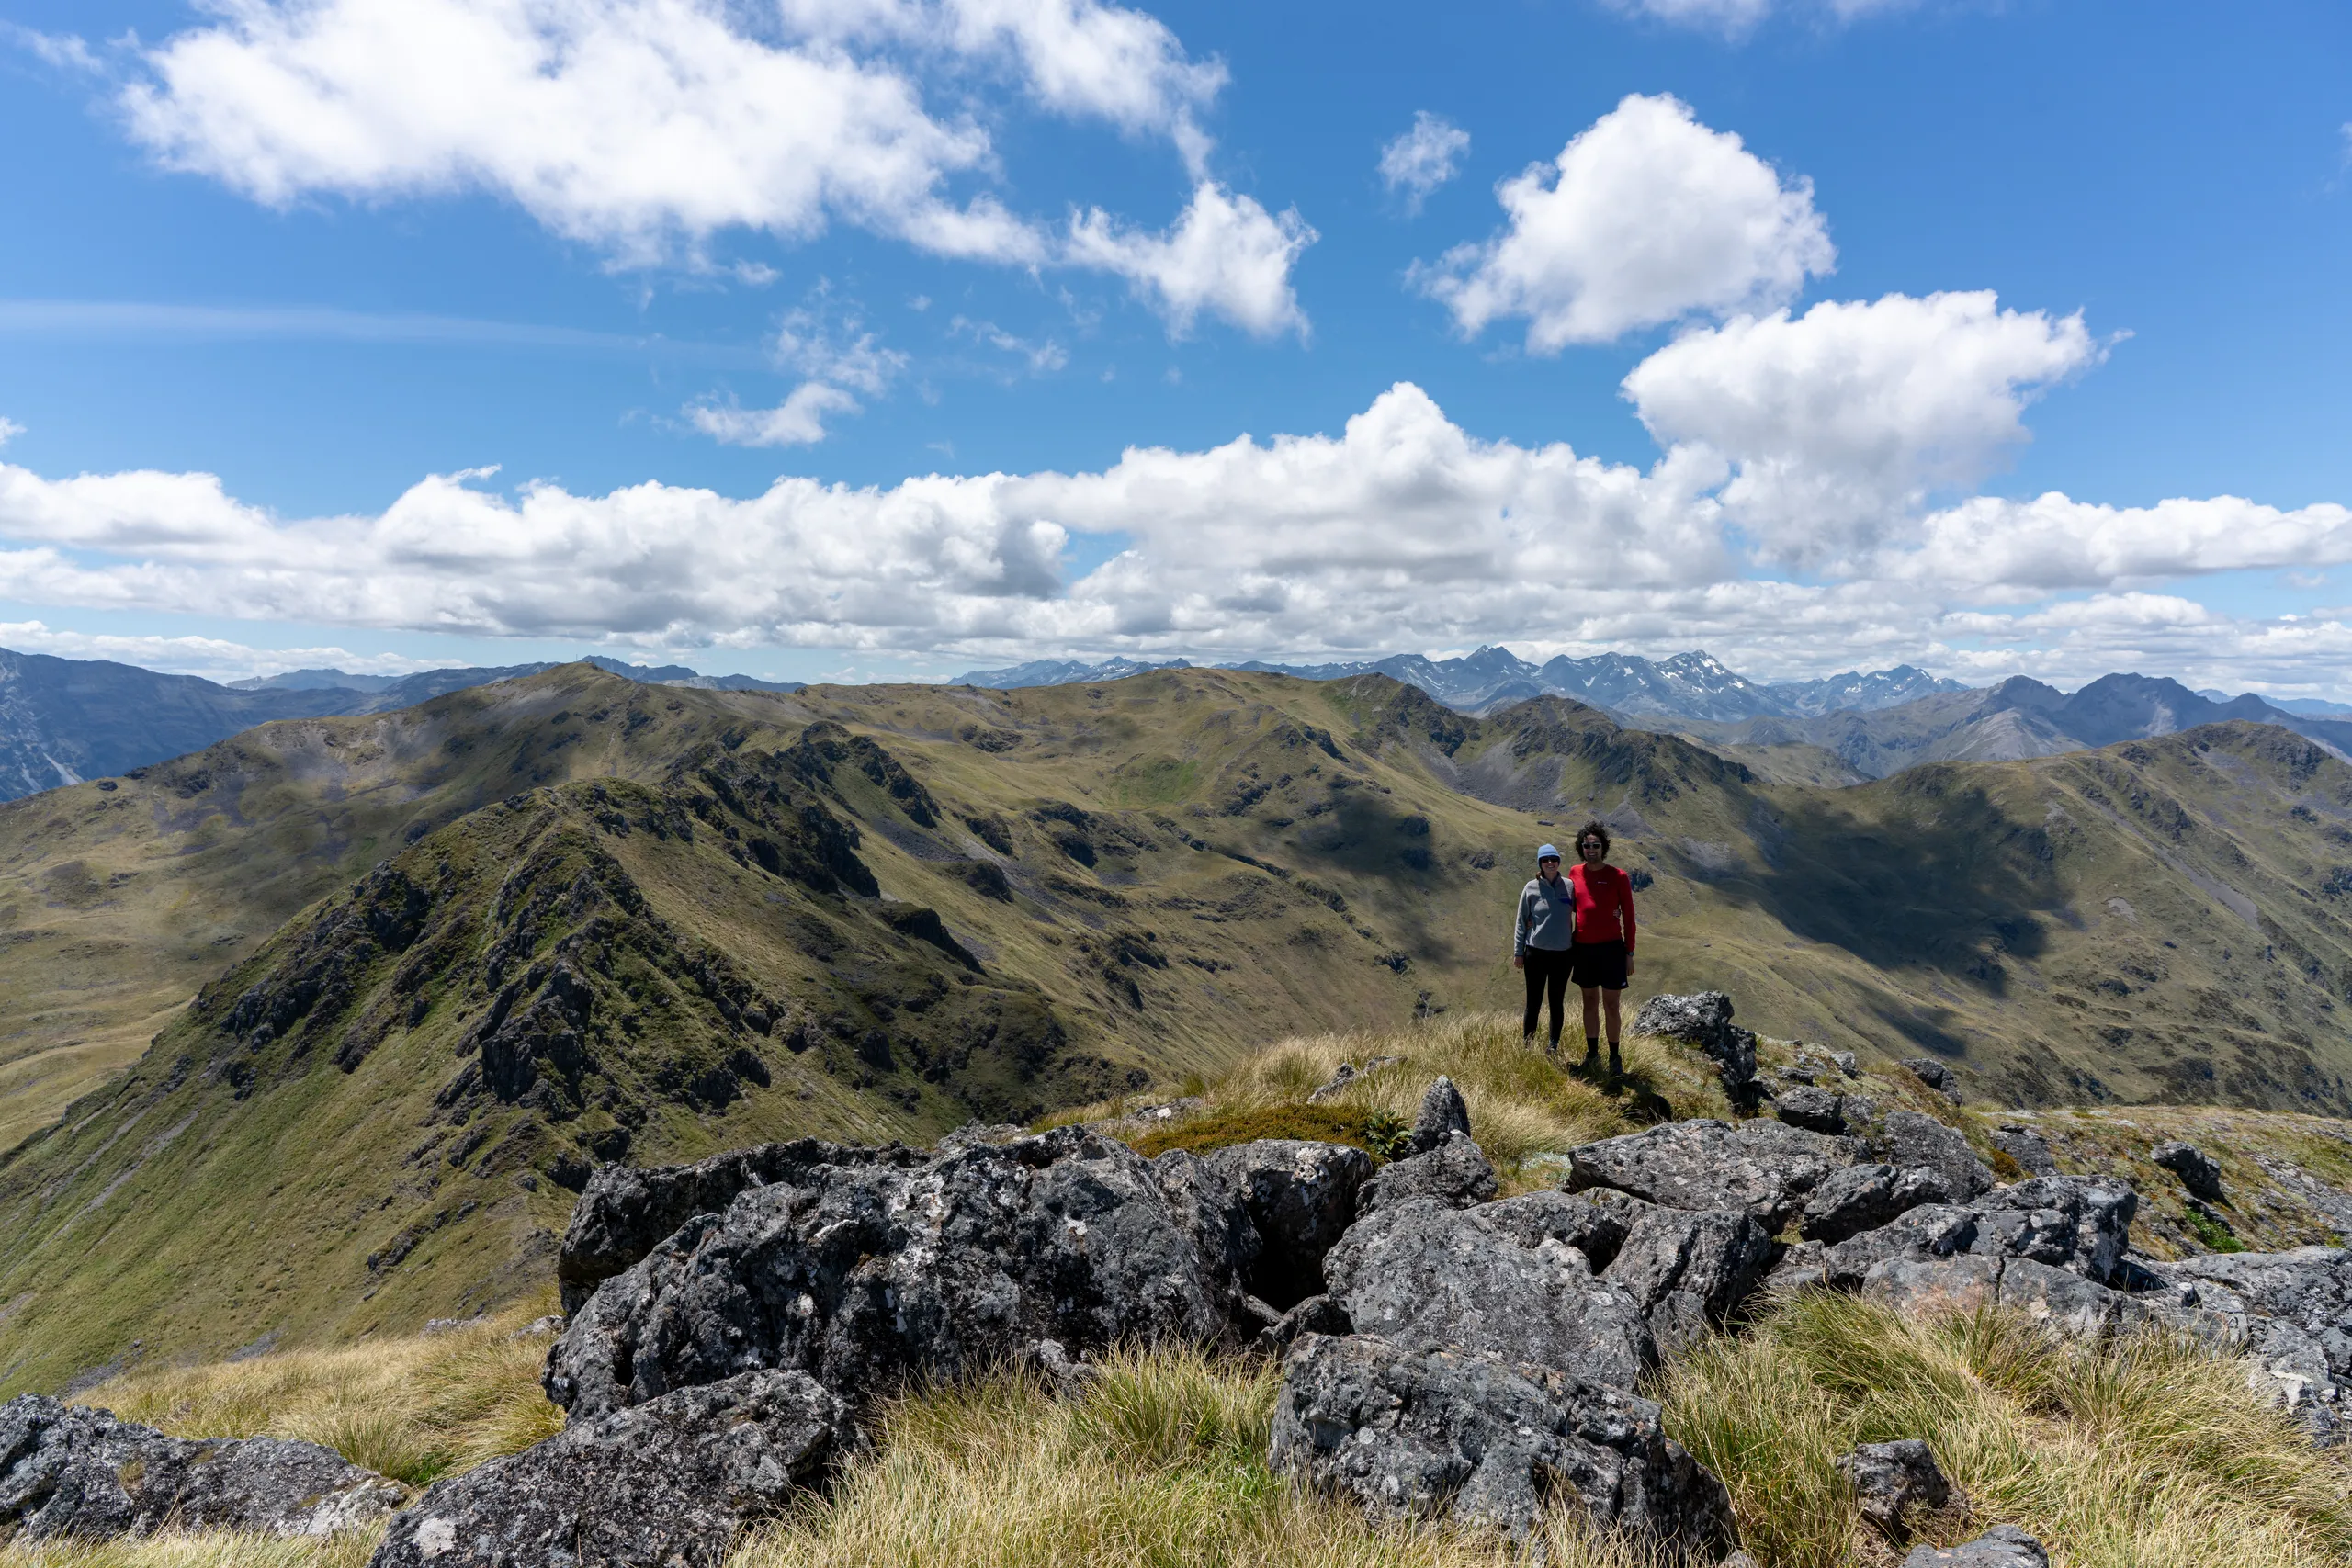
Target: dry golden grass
(208, 1549)
(413, 1408)
(2150, 1453)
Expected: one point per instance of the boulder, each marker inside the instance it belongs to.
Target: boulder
(1815, 1110)
(67, 1471)
(1445, 1114)
(2027, 1147)
(1936, 1076)
(1596, 1222)
(1428, 1275)
(1891, 1479)
(1300, 1197)
(2066, 1222)
(869, 1275)
(1705, 1020)
(1717, 1258)
(2003, 1546)
(1909, 1139)
(625, 1213)
(1864, 1197)
(2197, 1169)
(1769, 1168)
(1448, 1434)
(1930, 1231)
(1315, 1314)
(1457, 1172)
(668, 1484)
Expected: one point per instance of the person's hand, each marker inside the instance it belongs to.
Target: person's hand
(1518, 961)
(1629, 966)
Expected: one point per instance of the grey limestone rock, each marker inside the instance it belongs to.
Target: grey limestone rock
(1428, 1275)
(625, 1211)
(2003, 1546)
(1717, 1258)
(668, 1484)
(1443, 1115)
(2067, 1222)
(1595, 1223)
(1449, 1434)
(1936, 1076)
(2027, 1147)
(2197, 1169)
(1928, 1230)
(1907, 1139)
(1891, 1479)
(1769, 1168)
(1300, 1197)
(1864, 1197)
(67, 1471)
(1815, 1110)
(867, 1275)
(1705, 1020)
(1456, 1171)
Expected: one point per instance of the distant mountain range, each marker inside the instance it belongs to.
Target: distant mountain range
(64, 720)
(1842, 728)
(1689, 685)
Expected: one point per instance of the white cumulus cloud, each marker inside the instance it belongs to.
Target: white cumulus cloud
(1736, 18)
(1647, 217)
(1225, 254)
(1841, 421)
(798, 421)
(1423, 158)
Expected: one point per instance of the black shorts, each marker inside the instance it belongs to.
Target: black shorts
(1600, 963)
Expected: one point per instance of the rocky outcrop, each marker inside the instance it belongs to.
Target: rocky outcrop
(1936, 1076)
(1445, 1115)
(2027, 1147)
(70, 1473)
(2197, 1169)
(1456, 1172)
(1766, 1168)
(2292, 1310)
(1691, 1272)
(1705, 1020)
(1864, 1197)
(625, 1211)
(2003, 1546)
(1451, 1434)
(1428, 1275)
(868, 1275)
(668, 1484)
(1300, 1197)
(1816, 1109)
(1891, 1479)
(1909, 1139)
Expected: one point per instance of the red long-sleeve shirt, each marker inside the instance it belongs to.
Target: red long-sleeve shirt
(1605, 904)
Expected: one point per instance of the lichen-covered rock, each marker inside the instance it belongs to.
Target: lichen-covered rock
(1300, 1197)
(625, 1211)
(67, 1471)
(1769, 1168)
(1449, 1434)
(1909, 1138)
(1718, 1258)
(1815, 1110)
(1456, 1171)
(868, 1275)
(1595, 1223)
(1936, 1076)
(1930, 1231)
(2027, 1147)
(1445, 1114)
(1891, 1479)
(2003, 1546)
(1426, 1275)
(2066, 1222)
(2197, 1169)
(668, 1484)
(1864, 1197)
(1315, 1314)
(2293, 1312)
(1705, 1020)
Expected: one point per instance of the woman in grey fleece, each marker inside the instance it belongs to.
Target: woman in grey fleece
(1540, 941)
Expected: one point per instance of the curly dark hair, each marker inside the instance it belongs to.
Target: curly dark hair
(1595, 828)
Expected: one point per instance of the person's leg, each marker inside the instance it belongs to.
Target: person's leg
(1531, 966)
(1591, 1025)
(1556, 982)
(1609, 1002)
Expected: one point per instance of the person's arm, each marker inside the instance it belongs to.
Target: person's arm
(1625, 909)
(1519, 932)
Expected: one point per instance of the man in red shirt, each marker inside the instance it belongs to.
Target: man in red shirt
(1600, 960)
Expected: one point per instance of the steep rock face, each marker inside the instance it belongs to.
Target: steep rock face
(1449, 1434)
(669, 1483)
(867, 1275)
(1424, 1274)
(70, 1473)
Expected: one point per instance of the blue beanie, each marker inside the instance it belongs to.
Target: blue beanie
(1546, 851)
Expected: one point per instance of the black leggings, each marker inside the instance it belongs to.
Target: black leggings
(1547, 973)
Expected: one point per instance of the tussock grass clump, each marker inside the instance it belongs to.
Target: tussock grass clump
(208, 1549)
(414, 1408)
(1163, 1464)
(2148, 1454)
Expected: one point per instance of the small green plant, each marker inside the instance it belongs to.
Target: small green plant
(2212, 1230)
(1387, 1136)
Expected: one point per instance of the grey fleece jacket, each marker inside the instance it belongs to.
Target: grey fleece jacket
(1547, 916)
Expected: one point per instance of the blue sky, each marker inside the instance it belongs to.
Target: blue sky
(277, 266)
